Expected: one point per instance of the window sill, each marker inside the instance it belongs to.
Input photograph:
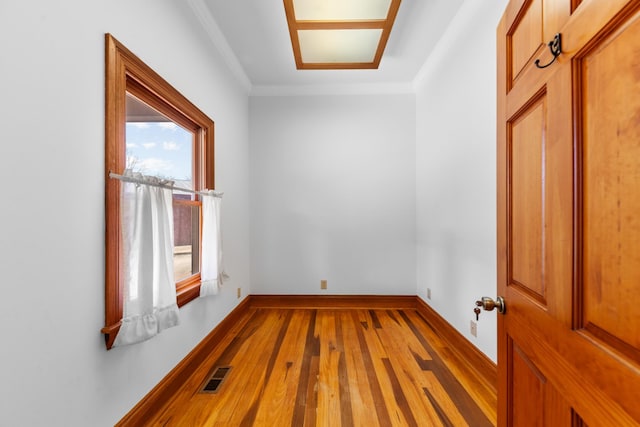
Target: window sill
(188, 292)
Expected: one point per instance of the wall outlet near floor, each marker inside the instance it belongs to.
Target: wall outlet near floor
(323, 284)
(239, 292)
(428, 293)
(474, 328)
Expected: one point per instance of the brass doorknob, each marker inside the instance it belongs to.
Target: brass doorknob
(489, 304)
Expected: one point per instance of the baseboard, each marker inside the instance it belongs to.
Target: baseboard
(333, 301)
(162, 393)
(465, 350)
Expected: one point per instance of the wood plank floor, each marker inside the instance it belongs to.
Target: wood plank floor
(326, 367)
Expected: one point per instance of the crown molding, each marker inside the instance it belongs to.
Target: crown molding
(467, 15)
(218, 39)
(333, 89)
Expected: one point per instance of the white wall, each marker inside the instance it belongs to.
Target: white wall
(455, 163)
(54, 368)
(333, 194)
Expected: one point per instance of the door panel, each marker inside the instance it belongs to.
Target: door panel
(534, 401)
(611, 180)
(526, 37)
(527, 215)
(569, 215)
(527, 395)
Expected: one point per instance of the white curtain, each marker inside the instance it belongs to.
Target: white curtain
(150, 304)
(212, 273)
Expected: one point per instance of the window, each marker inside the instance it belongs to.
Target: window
(151, 128)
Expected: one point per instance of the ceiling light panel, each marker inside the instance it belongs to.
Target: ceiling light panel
(341, 10)
(338, 46)
(339, 34)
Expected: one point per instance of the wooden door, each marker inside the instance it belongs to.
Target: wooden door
(569, 214)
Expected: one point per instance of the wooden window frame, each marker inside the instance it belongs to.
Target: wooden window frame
(125, 72)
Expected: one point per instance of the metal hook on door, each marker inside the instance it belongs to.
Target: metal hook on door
(555, 46)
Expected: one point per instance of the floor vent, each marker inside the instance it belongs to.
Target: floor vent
(217, 378)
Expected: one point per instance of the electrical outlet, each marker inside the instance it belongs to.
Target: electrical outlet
(428, 293)
(323, 284)
(239, 292)
(474, 328)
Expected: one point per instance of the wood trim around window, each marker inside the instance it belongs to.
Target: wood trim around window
(125, 72)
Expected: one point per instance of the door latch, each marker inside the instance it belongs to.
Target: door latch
(488, 304)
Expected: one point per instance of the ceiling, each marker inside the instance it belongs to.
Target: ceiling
(253, 37)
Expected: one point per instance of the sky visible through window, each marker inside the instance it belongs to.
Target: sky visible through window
(160, 149)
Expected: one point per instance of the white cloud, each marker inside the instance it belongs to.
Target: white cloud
(139, 125)
(132, 145)
(167, 125)
(151, 166)
(170, 146)
(155, 166)
(149, 145)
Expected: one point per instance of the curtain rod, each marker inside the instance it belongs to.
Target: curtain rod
(135, 180)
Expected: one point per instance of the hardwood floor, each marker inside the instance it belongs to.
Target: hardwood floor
(333, 367)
